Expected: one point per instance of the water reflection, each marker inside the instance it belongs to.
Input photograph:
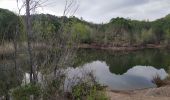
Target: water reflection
(138, 77)
(117, 70)
(120, 62)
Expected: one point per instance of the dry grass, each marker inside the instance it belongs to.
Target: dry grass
(158, 81)
(6, 48)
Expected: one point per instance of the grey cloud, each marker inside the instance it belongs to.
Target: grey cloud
(136, 9)
(103, 10)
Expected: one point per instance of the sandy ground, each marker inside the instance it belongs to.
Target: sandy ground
(162, 93)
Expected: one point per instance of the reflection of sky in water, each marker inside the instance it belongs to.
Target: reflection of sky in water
(137, 77)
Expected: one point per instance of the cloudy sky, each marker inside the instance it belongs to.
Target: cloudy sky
(99, 11)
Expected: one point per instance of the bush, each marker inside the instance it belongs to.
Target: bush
(82, 33)
(148, 36)
(86, 91)
(52, 90)
(24, 92)
(97, 95)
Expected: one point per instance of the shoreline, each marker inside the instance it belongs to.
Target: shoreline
(8, 47)
(161, 93)
(155, 93)
(121, 48)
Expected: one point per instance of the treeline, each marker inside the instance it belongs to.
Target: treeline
(9, 25)
(118, 32)
(127, 32)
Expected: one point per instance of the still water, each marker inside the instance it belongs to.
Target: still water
(137, 77)
(117, 70)
(120, 62)
(124, 70)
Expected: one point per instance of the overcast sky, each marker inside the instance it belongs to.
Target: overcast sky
(99, 11)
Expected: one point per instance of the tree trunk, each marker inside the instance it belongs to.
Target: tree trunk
(29, 33)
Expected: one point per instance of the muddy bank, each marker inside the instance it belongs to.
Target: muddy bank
(162, 93)
(9, 47)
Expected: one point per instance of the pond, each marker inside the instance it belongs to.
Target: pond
(137, 77)
(124, 70)
(120, 62)
(117, 70)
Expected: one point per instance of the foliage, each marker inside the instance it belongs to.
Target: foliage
(8, 79)
(44, 27)
(87, 91)
(119, 31)
(9, 25)
(52, 88)
(147, 36)
(167, 36)
(82, 32)
(24, 92)
(97, 95)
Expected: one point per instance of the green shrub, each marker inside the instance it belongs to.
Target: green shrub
(86, 91)
(148, 36)
(52, 89)
(96, 94)
(24, 92)
(82, 33)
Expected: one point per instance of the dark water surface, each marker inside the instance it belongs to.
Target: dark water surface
(137, 77)
(118, 70)
(120, 62)
(125, 70)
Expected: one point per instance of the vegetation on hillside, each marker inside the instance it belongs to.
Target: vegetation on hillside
(9, 24)
(118, 32)
(57, 39)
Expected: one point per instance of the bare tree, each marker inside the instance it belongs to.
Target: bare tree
(61, 48)
(71, 6)
(30, 5)
(62, 42)
(29, 33)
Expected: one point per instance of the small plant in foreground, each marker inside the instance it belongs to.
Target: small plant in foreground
(158, 81)
(86, 91)
(24, 92)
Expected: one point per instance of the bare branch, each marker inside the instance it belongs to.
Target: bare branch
(69, 6)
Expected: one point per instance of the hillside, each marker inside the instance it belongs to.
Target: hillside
(9, 24)
(118, 32)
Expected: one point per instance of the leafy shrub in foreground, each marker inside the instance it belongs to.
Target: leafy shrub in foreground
(86, 91)
(24, 92)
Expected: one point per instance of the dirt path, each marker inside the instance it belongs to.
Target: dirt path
(162, 93)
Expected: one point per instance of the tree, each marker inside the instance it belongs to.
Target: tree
(82, 32)
(148, 37)
(167, 36)
(8, 23)
(29, 34)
